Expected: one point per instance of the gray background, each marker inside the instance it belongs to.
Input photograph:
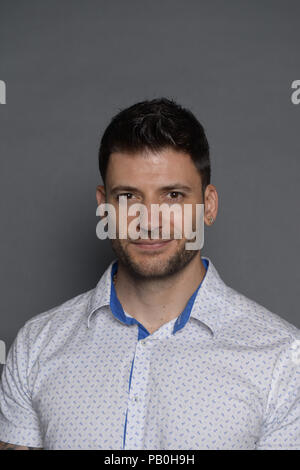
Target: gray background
(70, 65)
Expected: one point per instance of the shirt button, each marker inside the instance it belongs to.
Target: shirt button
(136, 399)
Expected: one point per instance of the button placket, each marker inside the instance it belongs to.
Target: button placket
(136, 414)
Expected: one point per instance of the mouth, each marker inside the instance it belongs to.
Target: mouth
(151, 244)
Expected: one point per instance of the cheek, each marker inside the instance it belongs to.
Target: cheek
(188, 220)
(128, 228)
(181, 220)
(176, 223)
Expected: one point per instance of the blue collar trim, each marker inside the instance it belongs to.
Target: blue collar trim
(119, 313)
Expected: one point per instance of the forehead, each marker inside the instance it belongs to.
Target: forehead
(152, 167)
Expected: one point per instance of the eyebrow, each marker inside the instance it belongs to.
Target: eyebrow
(169, 187)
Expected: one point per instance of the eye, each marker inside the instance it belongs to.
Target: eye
(175, 195)
(127, 195)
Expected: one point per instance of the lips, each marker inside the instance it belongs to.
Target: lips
(151, 244)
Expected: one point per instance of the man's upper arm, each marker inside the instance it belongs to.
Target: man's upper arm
(19, 424)
(7, 446)
(281, 428)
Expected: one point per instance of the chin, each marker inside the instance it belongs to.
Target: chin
(152, 266)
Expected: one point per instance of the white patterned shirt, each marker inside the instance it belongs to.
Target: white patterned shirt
(224, 374)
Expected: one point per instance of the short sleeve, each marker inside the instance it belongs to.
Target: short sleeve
(18, 421)
(281, 429)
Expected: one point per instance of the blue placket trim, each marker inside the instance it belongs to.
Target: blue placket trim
(119, 313)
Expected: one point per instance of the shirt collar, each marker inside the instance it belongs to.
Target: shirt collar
(208, 301)
(211, 306)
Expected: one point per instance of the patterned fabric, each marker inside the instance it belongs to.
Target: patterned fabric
(87, 375)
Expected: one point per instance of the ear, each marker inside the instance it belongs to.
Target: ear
(100, 194)
(211, 204)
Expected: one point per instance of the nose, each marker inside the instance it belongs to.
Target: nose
(149, 221)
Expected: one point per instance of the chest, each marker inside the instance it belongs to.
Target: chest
(155, 395)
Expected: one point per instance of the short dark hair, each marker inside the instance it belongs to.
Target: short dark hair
(154, 125)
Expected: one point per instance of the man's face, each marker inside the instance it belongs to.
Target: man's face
(169, 177)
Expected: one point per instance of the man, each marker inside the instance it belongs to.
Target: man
(162, 354)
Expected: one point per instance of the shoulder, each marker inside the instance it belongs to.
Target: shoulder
(254, 323)
(63, 317)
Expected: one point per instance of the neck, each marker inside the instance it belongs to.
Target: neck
(155, 302)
